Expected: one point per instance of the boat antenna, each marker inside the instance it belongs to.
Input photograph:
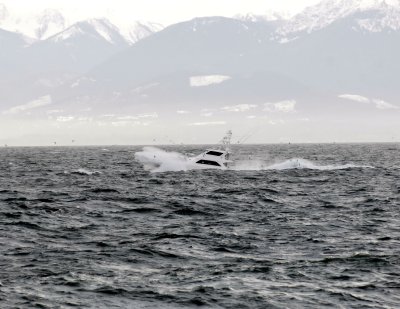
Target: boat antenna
(226, 140)
(249, 134)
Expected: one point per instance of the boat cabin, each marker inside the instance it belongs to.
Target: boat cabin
(213, 158)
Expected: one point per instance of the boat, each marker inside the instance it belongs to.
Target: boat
(214, 158)
(155, 159)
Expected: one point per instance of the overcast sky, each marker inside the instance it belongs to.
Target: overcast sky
(162, 11)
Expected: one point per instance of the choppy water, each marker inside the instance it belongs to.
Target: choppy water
(294, 226)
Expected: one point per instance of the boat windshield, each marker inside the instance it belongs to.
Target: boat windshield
(214, 153)
(208, 162)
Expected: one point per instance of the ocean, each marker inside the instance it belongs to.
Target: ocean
(289, 226)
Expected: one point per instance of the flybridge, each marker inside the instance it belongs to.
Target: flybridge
(214, 153)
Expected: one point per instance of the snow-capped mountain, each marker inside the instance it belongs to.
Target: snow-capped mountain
(102, 27)
(136, 30)
(268, 16)
(370, 15)
(198, 44)
(51, 22)
(160, 69)
(342, 47)
(387, 17)
(92, 29)
(47, 63)
(71, 52)
(39, 27)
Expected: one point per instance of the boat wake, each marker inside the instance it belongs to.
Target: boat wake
(294, 163)
(157, 160)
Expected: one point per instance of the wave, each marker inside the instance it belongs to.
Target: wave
(294, 163)
(157, 160)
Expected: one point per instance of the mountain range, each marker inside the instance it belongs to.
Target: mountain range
(50, 22)
(339, 57)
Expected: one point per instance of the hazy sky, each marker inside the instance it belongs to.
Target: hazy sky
(162, 11)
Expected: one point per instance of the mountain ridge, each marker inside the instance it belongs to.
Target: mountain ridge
(50, 22)
(326, 12)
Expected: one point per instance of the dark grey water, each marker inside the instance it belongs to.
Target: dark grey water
(90, 228)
